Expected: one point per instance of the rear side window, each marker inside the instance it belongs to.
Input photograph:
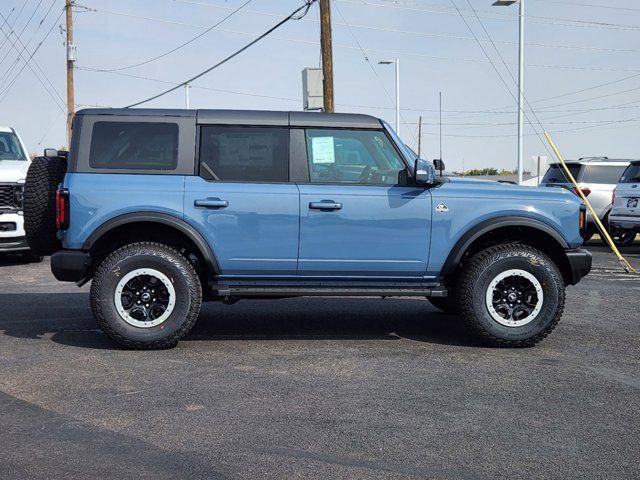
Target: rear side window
(603, 174)
(556, 173)
(631, 174)
(134, 146)
(244, 154)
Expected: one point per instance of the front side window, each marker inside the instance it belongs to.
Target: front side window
(10, 148)
(244, 154)
(352, 156)
(134, 146)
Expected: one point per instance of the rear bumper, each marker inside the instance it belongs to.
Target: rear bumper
(580, 263)
(625, 222)
(70, 265)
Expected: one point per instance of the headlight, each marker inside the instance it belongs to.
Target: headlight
(18, 197)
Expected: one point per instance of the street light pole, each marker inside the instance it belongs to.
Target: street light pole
(397, 64)
(521, 96)
(520, 83)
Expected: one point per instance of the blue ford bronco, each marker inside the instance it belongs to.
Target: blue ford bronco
(164, 209)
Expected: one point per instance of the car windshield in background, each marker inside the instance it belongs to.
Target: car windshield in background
(556, 173)
(631, 174)
(10, 148)
(603, 174)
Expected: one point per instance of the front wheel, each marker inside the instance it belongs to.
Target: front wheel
(146, 296)
(511, 295)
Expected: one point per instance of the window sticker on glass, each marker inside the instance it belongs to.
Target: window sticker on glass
(323, 150)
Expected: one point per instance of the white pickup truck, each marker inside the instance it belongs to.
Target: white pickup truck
(14, 163)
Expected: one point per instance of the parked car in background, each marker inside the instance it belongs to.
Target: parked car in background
(624, 219)
(14, 163)
(596, 177)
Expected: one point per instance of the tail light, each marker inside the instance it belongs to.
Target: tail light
(585, 191)
(62, 209)
(582, 220)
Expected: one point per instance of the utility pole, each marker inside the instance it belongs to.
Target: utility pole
(71, 58)
(186, 96)
(327, 54)
(419, 136)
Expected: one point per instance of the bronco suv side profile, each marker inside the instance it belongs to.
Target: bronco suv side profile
(163, 209)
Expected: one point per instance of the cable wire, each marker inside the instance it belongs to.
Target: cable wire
(293, 16)
(182, 45)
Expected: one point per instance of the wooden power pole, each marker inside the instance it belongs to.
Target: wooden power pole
(71, 57)
(327, 54)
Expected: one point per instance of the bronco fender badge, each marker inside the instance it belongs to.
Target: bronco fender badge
(442, 208)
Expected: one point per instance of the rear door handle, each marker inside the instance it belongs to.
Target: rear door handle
(325, 205)
(211, 203)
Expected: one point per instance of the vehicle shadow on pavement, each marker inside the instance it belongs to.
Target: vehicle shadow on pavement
(65, 318)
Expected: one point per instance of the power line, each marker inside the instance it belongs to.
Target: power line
(293, 16)
(577, 4)
(6, 90)
(182, 45)
(22, 30)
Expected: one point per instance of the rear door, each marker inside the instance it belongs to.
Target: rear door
(358, 217)
(241, 200)
(601, 179)
(627, 202)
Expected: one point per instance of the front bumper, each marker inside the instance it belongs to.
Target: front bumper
(580, 264)
(70, 266)
(12, 237)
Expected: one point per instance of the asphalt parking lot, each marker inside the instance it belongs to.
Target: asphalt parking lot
(318, 389)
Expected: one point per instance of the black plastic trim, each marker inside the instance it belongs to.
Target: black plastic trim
(580, 261)
(69, 265)
(486, 226)
(164, 219)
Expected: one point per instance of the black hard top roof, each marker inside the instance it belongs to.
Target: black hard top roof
(248, 117)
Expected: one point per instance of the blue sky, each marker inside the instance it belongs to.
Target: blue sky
(572, 45)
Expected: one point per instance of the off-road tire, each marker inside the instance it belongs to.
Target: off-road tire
(486, 265)
(43, 178)
(170, 262)
(448, 305)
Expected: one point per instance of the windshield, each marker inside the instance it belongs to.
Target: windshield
(556, 173)
(10, 148)
(631, 174)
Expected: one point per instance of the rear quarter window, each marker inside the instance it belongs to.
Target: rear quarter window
(631, 174)
(605, 174)
(134, 146)
(556, 173)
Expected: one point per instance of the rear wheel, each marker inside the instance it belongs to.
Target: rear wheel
(146, 296)
(511, 295)
(623, 238)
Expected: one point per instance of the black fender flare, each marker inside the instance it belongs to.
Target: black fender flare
(163, 219)
(475, 232)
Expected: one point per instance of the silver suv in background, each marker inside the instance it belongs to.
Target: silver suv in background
(624, 219)
(596, 177)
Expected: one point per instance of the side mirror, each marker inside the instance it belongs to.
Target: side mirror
(424, 172)
(50, 152)
(438, 164)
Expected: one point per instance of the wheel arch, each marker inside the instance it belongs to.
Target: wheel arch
(146, 225)
(511, 229)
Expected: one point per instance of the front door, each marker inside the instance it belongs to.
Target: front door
(356, 218)
(242, 200)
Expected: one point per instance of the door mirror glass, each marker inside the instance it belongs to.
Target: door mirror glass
(424, 172)
(438, 165)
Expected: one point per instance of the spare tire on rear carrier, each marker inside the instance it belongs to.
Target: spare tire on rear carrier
(43, 179)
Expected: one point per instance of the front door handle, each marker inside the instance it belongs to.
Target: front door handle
(211, 203)
(325, 205)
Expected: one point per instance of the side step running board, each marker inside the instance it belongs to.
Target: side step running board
(261, 291)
